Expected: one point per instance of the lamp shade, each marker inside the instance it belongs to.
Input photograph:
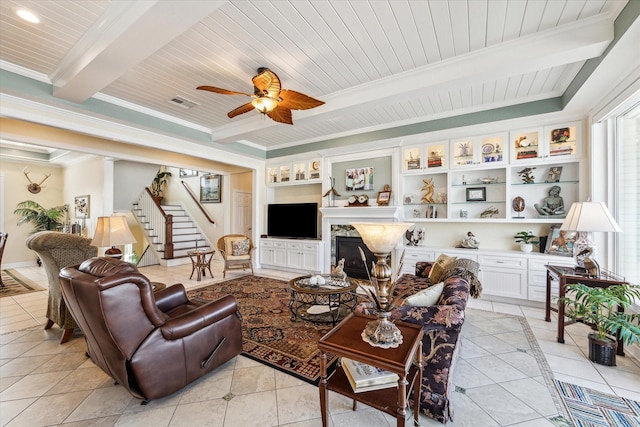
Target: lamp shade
(381, 237)
(112, 231)
(589, 216)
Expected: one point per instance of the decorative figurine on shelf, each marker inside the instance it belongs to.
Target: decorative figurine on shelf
(338, 270)
(554, 174)
(414, 237)
(518, 206)
(552, 205)
(526, 176)
(332, 193)
(490, 212)
(428, 187)
(470, 242)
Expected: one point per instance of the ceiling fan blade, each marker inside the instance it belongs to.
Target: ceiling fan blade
(282, 115)
(222, 91)
(297, 101)
(240, 110)
(267, 83)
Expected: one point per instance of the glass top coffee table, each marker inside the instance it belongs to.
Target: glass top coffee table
(321, 303)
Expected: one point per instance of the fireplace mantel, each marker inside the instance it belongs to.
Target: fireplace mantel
(361, 212)
(345, 215)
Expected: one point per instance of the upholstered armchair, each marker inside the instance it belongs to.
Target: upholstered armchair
(236, 251)
(57, 250)
(152, 343)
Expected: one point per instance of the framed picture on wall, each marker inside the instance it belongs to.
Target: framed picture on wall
(210, 188)
(358, 179)
(476, 194)
(83, 206)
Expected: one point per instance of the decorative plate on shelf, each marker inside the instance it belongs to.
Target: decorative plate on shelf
(315, 165)
(352, 199)
(488, 148)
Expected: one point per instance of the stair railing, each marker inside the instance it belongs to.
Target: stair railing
(197, 201)
(159, 221)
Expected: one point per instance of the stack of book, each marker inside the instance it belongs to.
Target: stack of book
(365, 377)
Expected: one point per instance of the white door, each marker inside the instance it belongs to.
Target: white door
(241, 216)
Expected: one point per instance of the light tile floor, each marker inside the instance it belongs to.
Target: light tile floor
(44, 383)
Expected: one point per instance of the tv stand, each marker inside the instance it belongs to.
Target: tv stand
(292, 254)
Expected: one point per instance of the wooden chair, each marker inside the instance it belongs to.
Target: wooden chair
(236, 251)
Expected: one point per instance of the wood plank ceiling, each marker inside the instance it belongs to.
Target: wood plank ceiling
(376, 64)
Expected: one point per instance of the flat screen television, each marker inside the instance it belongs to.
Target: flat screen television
(299, 220)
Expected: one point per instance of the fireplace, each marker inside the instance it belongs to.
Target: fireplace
(347, 248)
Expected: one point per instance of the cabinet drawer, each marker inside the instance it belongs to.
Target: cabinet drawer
(297, 246)
(541, 264)
(538, 277)
(503, 261)
(280, 245)
(266, 244)
(309, 247)
(539, 293)
(415, 256)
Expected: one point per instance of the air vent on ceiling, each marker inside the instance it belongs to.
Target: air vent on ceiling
(183, 103)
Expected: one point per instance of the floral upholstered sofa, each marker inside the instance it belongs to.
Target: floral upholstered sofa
(441, 321)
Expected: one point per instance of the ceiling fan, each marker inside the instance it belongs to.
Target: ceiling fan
(269, 98)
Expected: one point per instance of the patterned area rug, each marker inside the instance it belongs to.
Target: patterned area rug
(269, 335)
(589, 407)
(16, 284)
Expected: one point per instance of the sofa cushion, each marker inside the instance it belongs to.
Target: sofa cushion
(466, 269)
(426, 297)
(438, 267)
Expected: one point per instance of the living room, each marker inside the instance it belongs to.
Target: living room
(115, 150)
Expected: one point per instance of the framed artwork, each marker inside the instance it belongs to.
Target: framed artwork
(83, 206)
(186, 173)
(359, 179)
(476, 194)
(560, 242)
(554, 174)
(210, 188)
(384, 197)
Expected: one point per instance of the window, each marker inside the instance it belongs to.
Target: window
(627, 131)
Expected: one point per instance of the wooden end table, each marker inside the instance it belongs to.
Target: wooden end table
(201, 262)
(566, 276)
(406, 360)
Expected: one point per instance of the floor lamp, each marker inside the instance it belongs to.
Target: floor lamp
(112, 231)
(585, 218)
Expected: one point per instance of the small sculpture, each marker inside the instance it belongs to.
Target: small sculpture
(552, 205)
(470, 242)
(414, 237)
(332, 193)
(338, 270)
(526, 176)
(428, 187)
(490, 212)
(518, 205)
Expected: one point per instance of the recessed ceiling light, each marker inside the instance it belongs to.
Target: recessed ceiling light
(28, 16)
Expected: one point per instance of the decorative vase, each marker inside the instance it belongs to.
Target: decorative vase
(526, 247)
(602, 351)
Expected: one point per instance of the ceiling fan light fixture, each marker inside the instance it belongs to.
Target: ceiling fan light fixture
(264, 104)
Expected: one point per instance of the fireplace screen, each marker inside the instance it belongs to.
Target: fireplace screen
(347, 248)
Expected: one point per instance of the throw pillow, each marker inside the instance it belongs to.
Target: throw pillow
(439, 266)
(426, 297)
(240, 247)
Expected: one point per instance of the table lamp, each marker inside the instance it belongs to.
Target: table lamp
(112, 231)
(381, 239)
(585, 218)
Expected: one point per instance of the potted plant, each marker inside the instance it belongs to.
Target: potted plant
(526, 240)
(598, 307)
(41, 218)
(157, 186)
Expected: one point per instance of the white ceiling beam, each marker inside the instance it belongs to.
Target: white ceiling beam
(128, 33)
(570, 43)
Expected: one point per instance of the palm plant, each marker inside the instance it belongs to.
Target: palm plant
(41, 218)
(158, 183)
(525, 237)
(599, 307)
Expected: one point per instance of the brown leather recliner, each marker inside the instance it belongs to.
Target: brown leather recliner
(153, 344)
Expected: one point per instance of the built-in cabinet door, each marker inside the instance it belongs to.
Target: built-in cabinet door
(501, 282)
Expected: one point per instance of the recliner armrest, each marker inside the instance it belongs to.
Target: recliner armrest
(208, 314)
(171, 297)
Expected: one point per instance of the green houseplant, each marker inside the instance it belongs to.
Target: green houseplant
(41, 218)
(158, 183)
(526, 240)
(598, 307)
